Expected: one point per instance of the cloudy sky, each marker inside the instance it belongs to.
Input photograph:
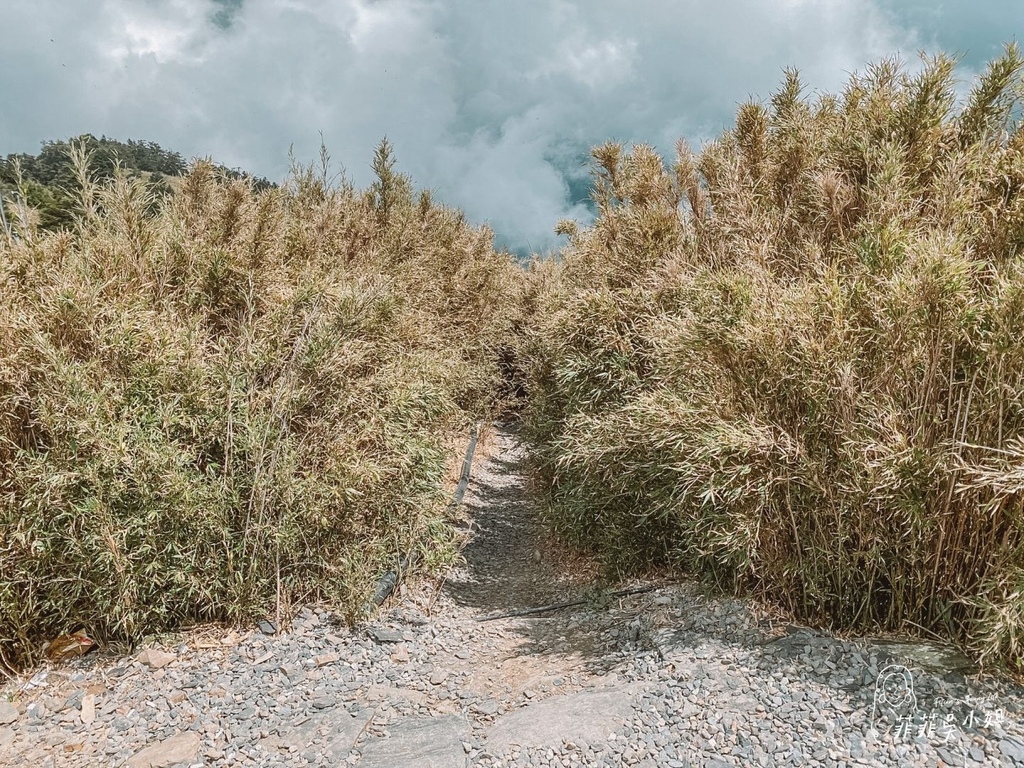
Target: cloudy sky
(493, 105)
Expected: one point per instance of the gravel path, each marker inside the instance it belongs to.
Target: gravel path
(666, 678)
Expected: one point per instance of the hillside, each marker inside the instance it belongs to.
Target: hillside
(47, 180)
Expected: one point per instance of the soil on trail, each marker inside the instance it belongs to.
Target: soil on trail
(672, 677)
(504, 568)
(509, 565)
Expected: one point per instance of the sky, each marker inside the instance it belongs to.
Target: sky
(491, 105)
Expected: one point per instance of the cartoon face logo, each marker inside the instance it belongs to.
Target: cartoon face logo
(894, 694)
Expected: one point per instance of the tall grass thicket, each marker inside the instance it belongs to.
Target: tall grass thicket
(794, 362)
(240, 401)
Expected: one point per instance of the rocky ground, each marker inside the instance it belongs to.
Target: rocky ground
(668, 677)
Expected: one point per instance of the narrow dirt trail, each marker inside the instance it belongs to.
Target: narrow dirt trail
(503, 569)
(509, 566)
(666, 678)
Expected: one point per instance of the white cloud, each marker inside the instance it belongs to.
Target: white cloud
(488, 103)
(167, 31)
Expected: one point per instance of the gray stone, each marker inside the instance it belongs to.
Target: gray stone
(155, 658)
(88, 711)
(488, 707)
(56, 703)
(950, 756)
(434, 742)
(588, 716)
(382, 635)
(267, 627)
(1013, 748)
(8, 713)
(324, 702)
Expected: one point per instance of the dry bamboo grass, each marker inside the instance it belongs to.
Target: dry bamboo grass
(794, 363)
(211, 411)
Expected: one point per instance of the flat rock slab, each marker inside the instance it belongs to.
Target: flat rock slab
(341, 729)
(338, 727)
(588, 716)
(936, 657)
(183, 748)
(395, 694)
(420, 742)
